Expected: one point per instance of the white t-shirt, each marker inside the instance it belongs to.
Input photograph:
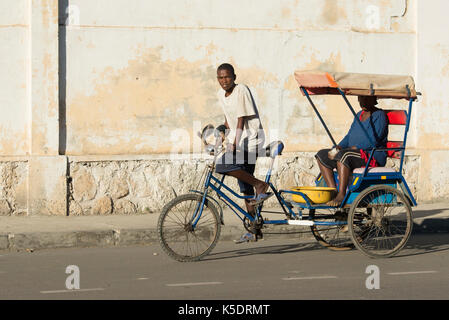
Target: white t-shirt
(241, 104)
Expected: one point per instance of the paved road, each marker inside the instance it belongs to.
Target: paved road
(269, 269)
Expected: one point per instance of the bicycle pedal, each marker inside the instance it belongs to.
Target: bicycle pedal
(248, 237)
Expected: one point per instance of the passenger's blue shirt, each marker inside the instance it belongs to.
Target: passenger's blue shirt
(376, 126)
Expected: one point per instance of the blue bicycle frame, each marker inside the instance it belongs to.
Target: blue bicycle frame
(215, 184)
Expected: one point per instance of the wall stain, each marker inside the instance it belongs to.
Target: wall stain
(135, 110)
(13, 142)
(332, 13)
(332, 108)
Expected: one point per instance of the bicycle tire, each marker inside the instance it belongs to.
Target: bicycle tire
(333, 237)
(377, 225)
(178, 238)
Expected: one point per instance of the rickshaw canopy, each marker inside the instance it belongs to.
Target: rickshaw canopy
(359, 84)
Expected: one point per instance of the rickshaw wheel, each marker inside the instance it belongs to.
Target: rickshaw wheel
(330, 230)
(177, 236)
(380, 221)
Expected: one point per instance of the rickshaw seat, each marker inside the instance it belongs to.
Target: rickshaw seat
(395, 117)
(374, 170)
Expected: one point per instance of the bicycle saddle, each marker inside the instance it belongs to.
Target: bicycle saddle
(274, 149)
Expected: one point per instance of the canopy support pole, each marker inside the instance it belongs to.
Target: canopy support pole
(319, 116)
(407, 127)
(356, 118)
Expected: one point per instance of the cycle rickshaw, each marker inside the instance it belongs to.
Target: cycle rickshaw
(375, 215)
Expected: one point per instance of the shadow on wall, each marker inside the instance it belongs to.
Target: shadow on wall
(63, 17)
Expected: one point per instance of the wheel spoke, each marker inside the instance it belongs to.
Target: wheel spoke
(388, 219)
(178, 235)
(331, 235)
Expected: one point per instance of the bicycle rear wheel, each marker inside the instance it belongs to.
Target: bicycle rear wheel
(380, 221)
(180, 237)
(331, 229)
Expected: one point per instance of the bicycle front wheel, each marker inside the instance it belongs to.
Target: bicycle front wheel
(182, 235)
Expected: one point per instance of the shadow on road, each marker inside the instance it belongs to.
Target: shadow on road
(418, 244)
(275, 249)
(426, 213)
(429, 235)
(435, 225)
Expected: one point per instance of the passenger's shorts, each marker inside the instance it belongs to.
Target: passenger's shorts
(350, 158)
(231, 162)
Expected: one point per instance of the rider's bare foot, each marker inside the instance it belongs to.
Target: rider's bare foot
(336, 201)
(261, 187)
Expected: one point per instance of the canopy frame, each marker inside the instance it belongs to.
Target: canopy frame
(371, 151)
(403, 184)
(357, 84)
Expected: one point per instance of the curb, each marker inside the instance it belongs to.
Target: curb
(128, 237)
(117, 237)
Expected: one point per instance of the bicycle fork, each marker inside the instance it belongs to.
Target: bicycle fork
(200, 206)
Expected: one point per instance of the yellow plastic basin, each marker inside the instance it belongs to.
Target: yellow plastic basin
(316, 195)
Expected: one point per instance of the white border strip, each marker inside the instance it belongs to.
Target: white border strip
(73, 290)
(310, 278)
(410, 272)
(193, 284)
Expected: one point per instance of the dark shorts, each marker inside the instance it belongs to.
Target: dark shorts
(348, 157)
(231, 162)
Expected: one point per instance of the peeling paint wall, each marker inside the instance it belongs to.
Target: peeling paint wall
(14, 77)
(135, 71)
(432, 121)
(29, 122)
(138, 77)
(151, 68)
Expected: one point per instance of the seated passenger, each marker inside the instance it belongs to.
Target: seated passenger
(354, 149)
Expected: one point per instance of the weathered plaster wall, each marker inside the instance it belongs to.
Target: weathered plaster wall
(135, 81)
(151, 68)
(34, 174)
(14, 77)
(432, 121)
(44, 83)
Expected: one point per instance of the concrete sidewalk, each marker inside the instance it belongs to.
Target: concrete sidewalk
(46, 232)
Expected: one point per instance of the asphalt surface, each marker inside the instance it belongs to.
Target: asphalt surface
(276, 269)
(30, 233)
